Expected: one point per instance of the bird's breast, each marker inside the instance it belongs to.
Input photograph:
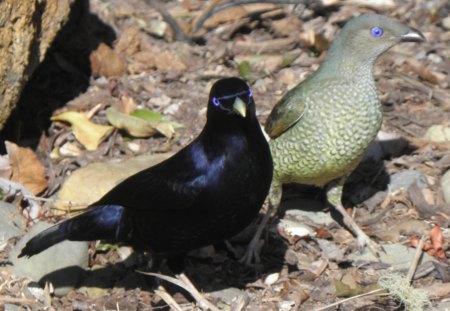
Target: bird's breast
(332, 135)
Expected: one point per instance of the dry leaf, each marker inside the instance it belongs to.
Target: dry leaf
(89, 134)
(315, 40)
(106, 62)
(162, 60)
(88, 184)
(127, 104)
(437, 239)
(138, 127)
(5, 167)
(286, 26)
(26, 168)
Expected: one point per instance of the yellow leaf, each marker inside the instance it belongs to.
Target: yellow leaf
(89, 134)
(138, 127)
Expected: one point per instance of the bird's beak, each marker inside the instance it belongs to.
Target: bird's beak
(240, 107)
(413, 35)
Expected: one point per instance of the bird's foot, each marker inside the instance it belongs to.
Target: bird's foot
(252, 254)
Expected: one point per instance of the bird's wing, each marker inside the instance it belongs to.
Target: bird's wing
(286, 113)
(173, 184)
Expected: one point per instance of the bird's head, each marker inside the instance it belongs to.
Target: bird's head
(230, 99)
(366, 37)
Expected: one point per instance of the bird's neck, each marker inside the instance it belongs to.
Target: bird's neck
(343, 61)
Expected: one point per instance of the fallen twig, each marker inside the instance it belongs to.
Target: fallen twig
(415, 262)
(223, 6)
(183, 282)
(178, 32)
(351, 298)
(161, 292)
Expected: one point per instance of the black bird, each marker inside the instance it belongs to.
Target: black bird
(204, 194)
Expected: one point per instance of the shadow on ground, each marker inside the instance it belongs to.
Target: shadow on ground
(61, 77)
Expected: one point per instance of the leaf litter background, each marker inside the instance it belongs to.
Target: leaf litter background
(116, 65)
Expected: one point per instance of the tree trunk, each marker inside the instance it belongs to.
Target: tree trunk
(27, 28)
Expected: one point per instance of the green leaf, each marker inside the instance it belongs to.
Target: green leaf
(104, 247)
(245, 69)
(154, 116)
(147, 114)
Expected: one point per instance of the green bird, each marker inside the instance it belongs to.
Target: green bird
(321, 128)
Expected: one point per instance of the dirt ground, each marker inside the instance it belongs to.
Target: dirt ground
(274, 47)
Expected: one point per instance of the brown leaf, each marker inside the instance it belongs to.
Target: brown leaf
(106, 62)
(26, 168)
(286, 26)
(156, 58)
(437, 240)
(127, 104)
(323, 233)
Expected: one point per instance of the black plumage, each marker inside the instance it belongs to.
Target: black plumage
(206, 193)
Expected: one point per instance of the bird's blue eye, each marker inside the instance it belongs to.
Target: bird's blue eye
(215, 101)
(376, 32)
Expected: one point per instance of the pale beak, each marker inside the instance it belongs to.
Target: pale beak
(413, 35)
(240, 107)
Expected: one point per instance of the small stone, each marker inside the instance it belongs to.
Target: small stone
(61, 264)
(438, 134)
(285, 305)
(290, 229)
(445, 185)
(271, 278)
(446, 22)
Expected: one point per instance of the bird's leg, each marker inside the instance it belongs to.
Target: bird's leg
(334, 196)
(254, 247)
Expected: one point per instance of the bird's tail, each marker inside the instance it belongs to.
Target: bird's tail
(98, 223)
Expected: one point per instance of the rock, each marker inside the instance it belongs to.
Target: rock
(90, 183)
(404, 179)
(61, 264)
(27, 31)
(316, 217)
(330, 250)
(438, 133)
(12, 223)
(445, 185)
(11, 307)
(398, 256)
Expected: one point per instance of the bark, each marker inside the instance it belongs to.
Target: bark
(27, 29)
